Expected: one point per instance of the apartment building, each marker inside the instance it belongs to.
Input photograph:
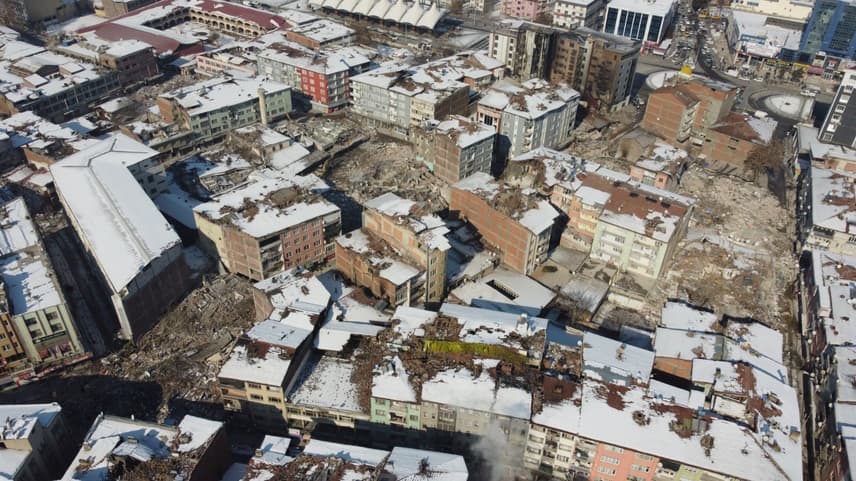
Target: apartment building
(371, 263)
(736, 136)
(35, 439)
(417, 235)
(839, 127)
(578, 13)
(40, 330)
(55, 87)
(455, 148)
(688, 108)
(323, 78)
(134, 61)
(639, 233)
(646, 21)
(526, 48)
(529, 115)
(270, 224)
(135, 248)
(671, 113)
(600, 66)
(212, 108)
(263, 365)
(399, 96)
(661, 168)
(509, 219)
(117, 447)
(526, 9)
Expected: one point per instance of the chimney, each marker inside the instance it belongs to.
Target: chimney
(259, 453)
(262, 107)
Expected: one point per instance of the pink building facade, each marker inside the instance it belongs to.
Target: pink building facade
(612, 463)
(525, 9)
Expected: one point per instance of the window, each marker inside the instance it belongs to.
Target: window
(609, 460)
(614, 449)
(605, 470)
(643, 469)
(274, 399)
(644, 457)
(256, 397)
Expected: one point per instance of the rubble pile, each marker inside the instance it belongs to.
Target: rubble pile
(731, 259)
(380, 166)
(182, 353)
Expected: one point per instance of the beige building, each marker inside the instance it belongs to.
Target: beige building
(455, 148)
(35, 442)
(24, 14)
(44, 330)
(796, 10)
(417, 235)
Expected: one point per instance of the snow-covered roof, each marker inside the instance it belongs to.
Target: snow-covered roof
(411, 319)
(460, 388)
(611, 415)
(324, 31)
(117, 220)
(649, 7)
(643, 214)
(326, 382)
(391, 381)
(536, 218)
(532, 99)
(349, 317)
(678, 315)
(268, 217)
(408, 464)
(269, 370)
(20, 420)
(346, 452)
(293, 291)
(614, 361)
(220, 93)
(832, 198)
(391, 268)
(466, 132)
(687, 345)
(142, 441)
(488, 326)
(507, 291)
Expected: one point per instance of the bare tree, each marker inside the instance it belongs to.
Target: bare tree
(765, 158)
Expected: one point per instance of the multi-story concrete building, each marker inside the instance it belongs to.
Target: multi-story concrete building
(600, 66)
(399, 96)
(135, 248)
(736, 136)
(578, 13)
(509, 219)
(35, 442)
(831, 29)
(270, 224)
(212, 108)
(688, 108)
(114, 8)
(671, 113)
(133, 61)
(53, 86)
(530, 115)
(639, 233)
(262, 368)
(839, 127)
(32, 300)
(455, 148)
(323, 79)
(525, 48)
(526, 9)
(417, 235)
(794, 10)
(371, 263)
(647, 21)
